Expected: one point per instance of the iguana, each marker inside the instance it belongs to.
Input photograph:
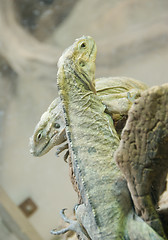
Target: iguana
(116, 93)
(92, 141)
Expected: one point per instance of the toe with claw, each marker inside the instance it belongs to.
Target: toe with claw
(74, 225)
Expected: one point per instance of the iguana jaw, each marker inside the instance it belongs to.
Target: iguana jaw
(44, 148)
(47, 143)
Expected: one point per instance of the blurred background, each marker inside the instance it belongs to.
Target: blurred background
(132, 40)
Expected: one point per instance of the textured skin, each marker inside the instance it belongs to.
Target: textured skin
(142, 154)
(113, 92)
(136, 229)
(118, 93)
(106, 212)
(92, 141)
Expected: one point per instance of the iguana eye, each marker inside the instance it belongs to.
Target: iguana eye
(39, 136)
(57, 125)
(83, 45)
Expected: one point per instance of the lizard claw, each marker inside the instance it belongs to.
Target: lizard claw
(61, 149)
(75, 208)
(57, 152)
(63, 216)
(62, 231)
(66, 155)
(74, 225)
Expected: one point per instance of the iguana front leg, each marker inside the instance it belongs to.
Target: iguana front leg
(61, 149)
(74, 225)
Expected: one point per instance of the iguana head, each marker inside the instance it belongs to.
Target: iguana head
(50, 130)
(79, 59)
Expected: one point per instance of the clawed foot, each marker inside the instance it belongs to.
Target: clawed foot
(61, 149)
(66, 155)
(74, 225)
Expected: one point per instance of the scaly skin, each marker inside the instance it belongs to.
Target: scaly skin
(113, 91)
(106, 212)
(92, 141)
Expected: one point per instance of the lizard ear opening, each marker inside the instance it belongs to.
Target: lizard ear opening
(82, 63)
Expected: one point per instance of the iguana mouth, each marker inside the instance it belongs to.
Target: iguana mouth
(42, 151)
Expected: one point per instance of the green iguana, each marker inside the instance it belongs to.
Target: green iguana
(107, 211)
(115, 92)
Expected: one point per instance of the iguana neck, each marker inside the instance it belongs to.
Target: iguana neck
(68, 71)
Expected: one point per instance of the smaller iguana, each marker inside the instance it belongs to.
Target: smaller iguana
(50, 130)
(117, 93)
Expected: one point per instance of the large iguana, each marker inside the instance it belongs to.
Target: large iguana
(117, 93)
(92, 140)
